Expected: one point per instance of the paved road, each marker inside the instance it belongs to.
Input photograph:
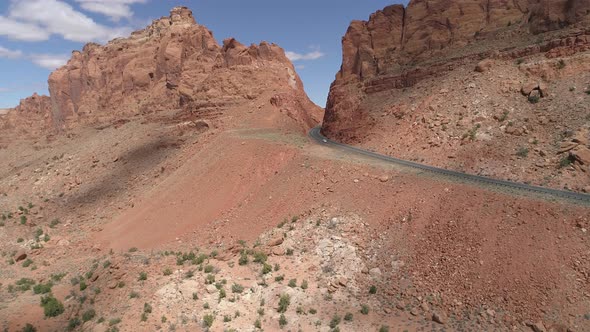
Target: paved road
(316, 134)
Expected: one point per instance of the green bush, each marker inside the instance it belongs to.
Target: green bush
(167, 272)
(522, 152)
(52, 307)
(88, 315)
(335, 321)
(304, 284)
(284, 302)
(27, 262)
(208, 320)
(42, 288)
(73, 323)
(282, 321)
(373, 290)
(348, 317)
(260, 257)
(365, 309)
(142, 276)
(29, 328)
(237, 288)
(24, 284)
(266, 268)
(243, 258)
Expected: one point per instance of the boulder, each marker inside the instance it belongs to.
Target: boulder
(484, 65)
(20, 255)
(581, 154)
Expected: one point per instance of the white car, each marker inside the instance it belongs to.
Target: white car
(325, 140)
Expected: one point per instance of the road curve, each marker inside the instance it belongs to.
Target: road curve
(315, 134)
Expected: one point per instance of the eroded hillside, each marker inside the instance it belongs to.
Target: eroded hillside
(492, 88)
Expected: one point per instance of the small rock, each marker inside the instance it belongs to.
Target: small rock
(275, 241)
(278, 251)
(439, 317)
(384, 178)
(537, 327)
(484, 65)
(342, 281)
(375, 272)
(21, 255)
(211, 289)
(528, 88)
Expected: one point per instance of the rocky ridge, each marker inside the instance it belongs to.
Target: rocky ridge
(173, 64)
(397, 64)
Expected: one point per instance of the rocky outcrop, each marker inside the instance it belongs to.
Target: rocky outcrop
(399, 46)
(33, 112)
(173, 64)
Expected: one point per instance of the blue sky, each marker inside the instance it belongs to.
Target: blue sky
(39, 35)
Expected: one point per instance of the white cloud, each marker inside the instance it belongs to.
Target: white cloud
(300, 67)
(49, 61)
(22, 31)
(314, 55)
(114, 9)
(10, 54)
(37, 20)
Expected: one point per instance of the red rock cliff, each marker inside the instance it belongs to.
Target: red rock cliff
(398, 46)
(174, 63)
(33, 112)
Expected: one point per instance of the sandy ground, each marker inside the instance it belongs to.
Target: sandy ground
(134, 198)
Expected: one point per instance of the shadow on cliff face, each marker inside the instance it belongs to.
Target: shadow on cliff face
(138, 164)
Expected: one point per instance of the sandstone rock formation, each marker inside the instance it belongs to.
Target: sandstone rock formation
(33, 113)
(172, 64)
(399, 46)
(442, 82)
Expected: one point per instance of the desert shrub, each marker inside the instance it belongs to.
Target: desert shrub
(88, 315)
(284, 302)
(348, 317)
(237, 288)
(24, 284)
(282, 321)
(364, 309)
(29, 328)
(266, 268)
(304, 284)
(260, 257)
(73, 323)
(335, 321)
(42, 288)
(522, 152)
(142, 276)
(208, 320)
(373, 290)
(243, 258)
(565, 162)
(52, 307)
